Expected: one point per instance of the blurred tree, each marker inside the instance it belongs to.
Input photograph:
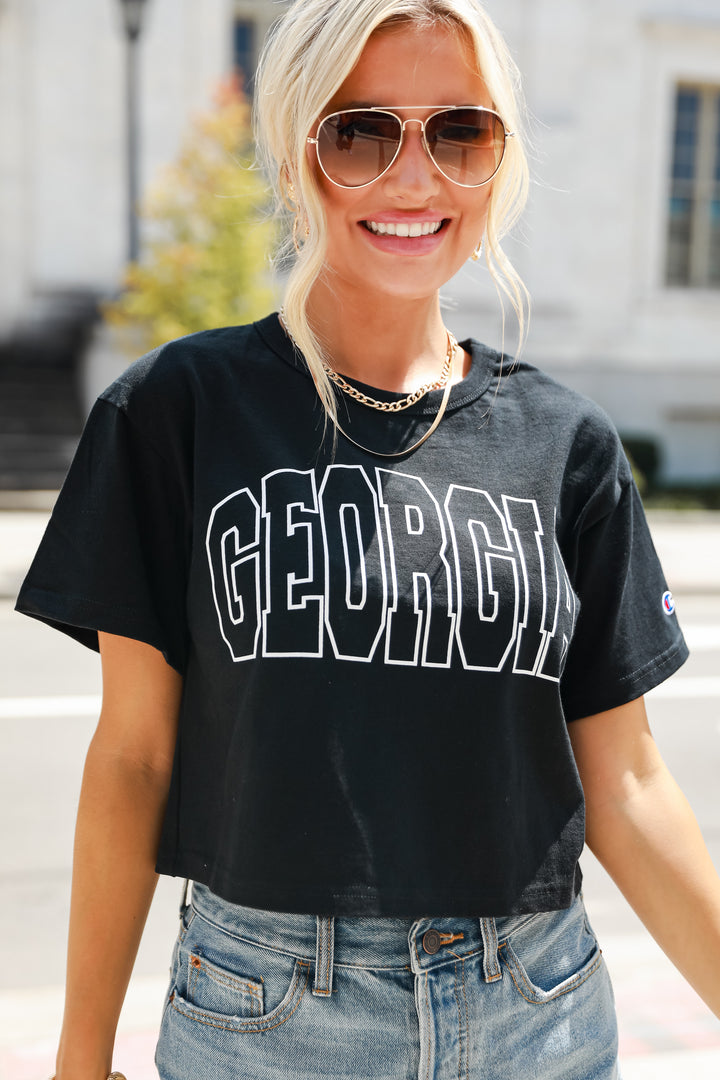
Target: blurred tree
(209, 235)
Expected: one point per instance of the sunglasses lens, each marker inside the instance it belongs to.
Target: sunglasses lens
(356, 146)
(467, 145)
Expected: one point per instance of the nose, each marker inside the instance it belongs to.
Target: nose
(413, 172)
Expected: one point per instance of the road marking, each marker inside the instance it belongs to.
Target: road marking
(21, 708)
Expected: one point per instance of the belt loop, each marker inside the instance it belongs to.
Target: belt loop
(185, 896)
(322, 986)
(491, 964)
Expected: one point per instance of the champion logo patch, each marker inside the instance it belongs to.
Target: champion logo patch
(668, 603)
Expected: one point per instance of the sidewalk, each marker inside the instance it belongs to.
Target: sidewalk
(20, 534)
(666, 1032)
(688, 543)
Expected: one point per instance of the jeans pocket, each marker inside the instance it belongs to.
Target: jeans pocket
(211, 987)
(231, 983)
(552, 954)
(212, 1016)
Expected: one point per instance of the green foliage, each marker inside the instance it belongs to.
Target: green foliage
(210, 230)
(644, 457)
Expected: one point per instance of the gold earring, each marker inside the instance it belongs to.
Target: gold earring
(300, 222)
(477, 253)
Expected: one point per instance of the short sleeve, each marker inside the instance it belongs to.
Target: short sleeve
(627, 639)
(115, 554)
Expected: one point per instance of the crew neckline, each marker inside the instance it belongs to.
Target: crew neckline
(483, 367)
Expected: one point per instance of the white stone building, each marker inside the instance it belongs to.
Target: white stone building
(620, 246)
(621, 310)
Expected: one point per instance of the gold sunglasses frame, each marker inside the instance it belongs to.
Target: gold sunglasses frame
(437, 109)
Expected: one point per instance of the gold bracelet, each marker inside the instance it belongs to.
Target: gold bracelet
(111, 1076)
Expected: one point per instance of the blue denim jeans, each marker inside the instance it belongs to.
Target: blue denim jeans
(262, 996)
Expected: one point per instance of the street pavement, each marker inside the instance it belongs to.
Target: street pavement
(49, 694)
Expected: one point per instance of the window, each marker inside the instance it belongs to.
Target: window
(244, 51)
(693, 248)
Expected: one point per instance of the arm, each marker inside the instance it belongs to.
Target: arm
(642, 830)
(122, 801)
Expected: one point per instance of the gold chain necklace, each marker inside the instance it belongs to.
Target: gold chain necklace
(443, 382)
(403, 403)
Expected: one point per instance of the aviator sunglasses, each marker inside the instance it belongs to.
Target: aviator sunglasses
(355, 147)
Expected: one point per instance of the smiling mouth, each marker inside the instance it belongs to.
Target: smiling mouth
(396, 228)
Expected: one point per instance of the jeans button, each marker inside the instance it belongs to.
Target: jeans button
(431, 942)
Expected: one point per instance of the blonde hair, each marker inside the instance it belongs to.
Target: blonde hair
(310, 52)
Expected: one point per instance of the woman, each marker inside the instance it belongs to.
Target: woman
(368, 601)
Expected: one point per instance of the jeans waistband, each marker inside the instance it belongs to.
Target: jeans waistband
(415, 944)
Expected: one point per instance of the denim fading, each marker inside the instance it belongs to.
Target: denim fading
(262, 996)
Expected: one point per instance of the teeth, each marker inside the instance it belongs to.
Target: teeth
(391, 228)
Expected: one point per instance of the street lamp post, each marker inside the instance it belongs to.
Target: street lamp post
(132, 11)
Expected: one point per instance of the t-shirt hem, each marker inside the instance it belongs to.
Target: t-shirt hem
(361, 900)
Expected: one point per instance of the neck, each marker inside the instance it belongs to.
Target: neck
(392, 345)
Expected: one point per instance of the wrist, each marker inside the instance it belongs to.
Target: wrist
(114, 1075)
(81, 1062)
